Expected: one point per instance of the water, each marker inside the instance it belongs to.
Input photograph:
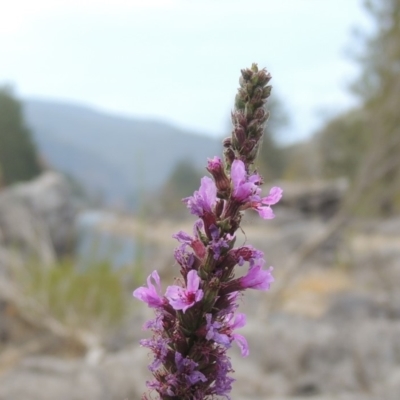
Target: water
(96, 246)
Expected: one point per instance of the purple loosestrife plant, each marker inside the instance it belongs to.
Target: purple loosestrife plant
(196, 320)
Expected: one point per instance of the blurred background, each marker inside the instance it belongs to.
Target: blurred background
(108, 113)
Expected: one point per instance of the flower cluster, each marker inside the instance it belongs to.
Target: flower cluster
(196, 319)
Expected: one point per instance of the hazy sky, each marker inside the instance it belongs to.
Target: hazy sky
(179, 60)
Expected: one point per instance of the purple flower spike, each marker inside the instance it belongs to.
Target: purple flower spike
(257, 278)
(189, 348)
(149, 295)
(182, 299)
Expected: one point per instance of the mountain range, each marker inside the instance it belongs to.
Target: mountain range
(114, 156)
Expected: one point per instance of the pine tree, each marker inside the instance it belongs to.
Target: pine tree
(364, 144)
(379, 88)
(18, 158)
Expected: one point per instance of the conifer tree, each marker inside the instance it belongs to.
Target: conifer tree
(379, 88)
(364, 144)
(18, 157)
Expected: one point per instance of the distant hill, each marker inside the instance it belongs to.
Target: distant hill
(112, 155)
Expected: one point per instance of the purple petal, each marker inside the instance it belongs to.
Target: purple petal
(199, 295)
(182, 299)
(255, 179)
(208, 192)
(239, 322)
(257, 278)
(245, 188)
(265, 212)
(242, 343)
(149, 295)
(193, 281)
(204, 199)
(176, 295)
(183, 237)
(195, 377)
(238, 173)
(275, 194)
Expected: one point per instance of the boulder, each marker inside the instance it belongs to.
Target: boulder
(37, 221)
(38, 217)
(321, 198)
(119, 376)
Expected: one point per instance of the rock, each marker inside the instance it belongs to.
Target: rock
(125, 373)
(47, 378)
(36, 224)
(290, 358)
(352, 306)
(320, 356)
(37, 218)
(49, 199)
(321, 198)
(120, 376)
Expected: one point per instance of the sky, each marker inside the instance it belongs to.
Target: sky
(180, 60)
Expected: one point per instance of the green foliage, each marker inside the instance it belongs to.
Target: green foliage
(379, 88)
(364, 144)
(94, 298)
(18, 159)
(342, 144)
(302, 162)
(380, 54)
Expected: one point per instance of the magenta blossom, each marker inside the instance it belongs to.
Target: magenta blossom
(244, 187)
(238, 322)
(213, 331)
(187, 368)
(263, 207)
(159, 346)
(257, 278)
(246, 253)
(222, 332)
(219, 244)
(194, 242)
(182, 299)
(204, 199)
(149, 295)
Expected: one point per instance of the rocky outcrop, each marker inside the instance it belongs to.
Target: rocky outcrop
(314, 198)
(292, 357)
(348, 349)
(36, 224)
(37, 218)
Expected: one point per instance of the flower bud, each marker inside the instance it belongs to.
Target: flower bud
(217, 170)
